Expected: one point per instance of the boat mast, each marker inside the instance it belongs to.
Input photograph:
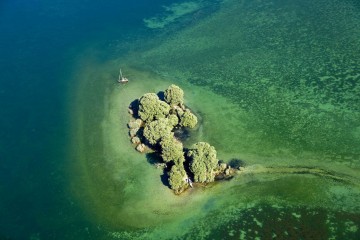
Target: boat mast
(120, 75)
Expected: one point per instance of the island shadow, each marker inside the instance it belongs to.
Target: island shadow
(154, 159)
(182, 133)
(134, 106)
(236, 163)
(161, 95)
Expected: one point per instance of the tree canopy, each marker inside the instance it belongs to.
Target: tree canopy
(174, 95)
(152, 108)
(173, 119)
(188, 119)
(203, 162)
(156, 130)
(172, 150)
(177, 178)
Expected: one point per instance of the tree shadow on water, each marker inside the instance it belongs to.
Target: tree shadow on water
(161, 95)
(236, 163)
(155, 158)
(182, 133)
(134, 106)
(165, 179)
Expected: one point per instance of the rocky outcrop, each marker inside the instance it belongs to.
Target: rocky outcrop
(133, 132)
(141, 147)
(135, 140)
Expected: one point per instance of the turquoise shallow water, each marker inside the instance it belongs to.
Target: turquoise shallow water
(39, 44)
(276, 84)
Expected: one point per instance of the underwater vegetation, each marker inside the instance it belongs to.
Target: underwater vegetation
(273, 84)
(172, 13)
(292, 66)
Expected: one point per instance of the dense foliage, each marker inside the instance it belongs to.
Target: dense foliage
(174, 95)
(154, 129)
(172, 150)
(173, 119)
(177, 178)
(152, 108)
(203, 162)
(188, 119)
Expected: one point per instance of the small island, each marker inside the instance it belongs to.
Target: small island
(154, 119)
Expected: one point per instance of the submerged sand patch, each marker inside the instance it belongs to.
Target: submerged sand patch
(123, 192)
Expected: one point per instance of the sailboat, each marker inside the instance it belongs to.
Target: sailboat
(122, 79)
(188, 180)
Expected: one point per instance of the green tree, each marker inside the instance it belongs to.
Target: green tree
(172, 150)
(174, 95)
(156, 130)
(203, 162)
(173, 120)
(177, 178)
(152, 108)
(188, 119)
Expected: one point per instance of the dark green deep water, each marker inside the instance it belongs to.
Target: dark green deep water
(277, 84)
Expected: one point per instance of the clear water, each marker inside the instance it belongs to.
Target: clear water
(276, 84)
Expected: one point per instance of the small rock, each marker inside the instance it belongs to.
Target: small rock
(223, 166)
(141, 147)
(227, 172)
(135, 140)
(139, 122)
(133, 132)
(130, 111)
(182, 106)
(160, 165)
(133, 124)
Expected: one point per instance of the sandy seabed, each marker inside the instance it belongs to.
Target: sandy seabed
(123, 192)
(275, 91)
